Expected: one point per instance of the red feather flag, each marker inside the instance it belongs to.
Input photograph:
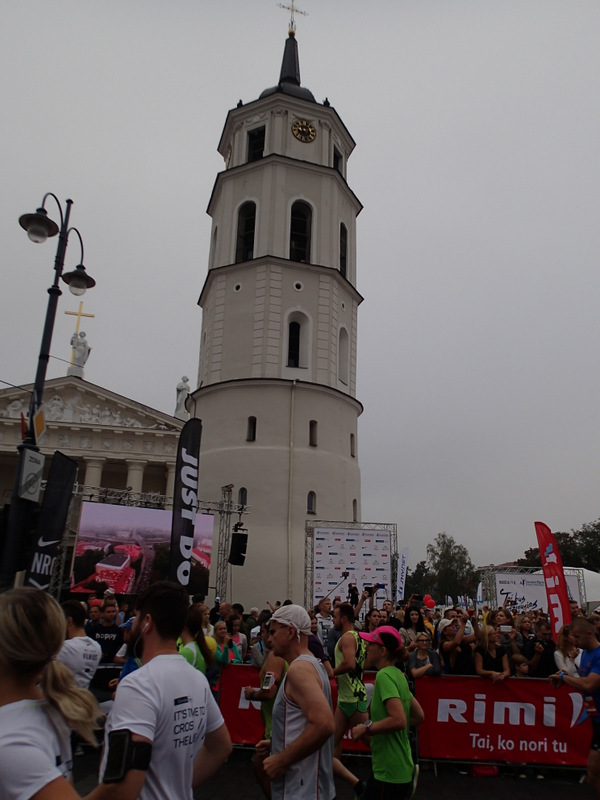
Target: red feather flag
(554, 579)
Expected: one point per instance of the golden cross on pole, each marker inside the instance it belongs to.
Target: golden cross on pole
(293, 9)
(79, 314)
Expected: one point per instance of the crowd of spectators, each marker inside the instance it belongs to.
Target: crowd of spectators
(493, 644)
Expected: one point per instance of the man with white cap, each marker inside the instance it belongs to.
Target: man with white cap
(301, 748)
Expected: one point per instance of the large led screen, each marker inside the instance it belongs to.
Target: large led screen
(126, 548)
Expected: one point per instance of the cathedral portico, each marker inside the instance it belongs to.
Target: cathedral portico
(117, 442)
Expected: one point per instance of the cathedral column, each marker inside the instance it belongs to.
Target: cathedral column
(135, 475)
(170, 490)
(93, 475)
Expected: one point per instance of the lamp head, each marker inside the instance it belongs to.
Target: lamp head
(39, 226)
(78, 280)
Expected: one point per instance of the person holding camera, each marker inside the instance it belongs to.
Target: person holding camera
(455, 645)
(540, 652)
(511, 640)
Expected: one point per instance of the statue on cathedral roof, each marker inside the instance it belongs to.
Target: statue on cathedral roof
(81, 353)
(183, 390)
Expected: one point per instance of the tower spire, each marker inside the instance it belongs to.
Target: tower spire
(290, 64)
(292, 8)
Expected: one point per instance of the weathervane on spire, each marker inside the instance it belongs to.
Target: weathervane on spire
(293, 10)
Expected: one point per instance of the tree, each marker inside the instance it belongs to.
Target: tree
(418, 581)
(577, 549)
(451, 570)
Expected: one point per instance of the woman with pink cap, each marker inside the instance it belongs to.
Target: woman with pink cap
(393, 709)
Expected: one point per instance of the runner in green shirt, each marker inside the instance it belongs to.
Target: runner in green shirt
(393, 709)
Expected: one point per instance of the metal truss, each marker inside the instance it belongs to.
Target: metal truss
(226, 509)
(488, 580)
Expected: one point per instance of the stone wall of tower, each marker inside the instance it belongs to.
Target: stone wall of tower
(245, 323)
(274, 184)
(278, 470)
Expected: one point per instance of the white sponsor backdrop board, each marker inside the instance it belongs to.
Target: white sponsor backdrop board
(365, 554)
(526, 591)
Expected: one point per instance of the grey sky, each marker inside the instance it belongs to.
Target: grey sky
(477, 129)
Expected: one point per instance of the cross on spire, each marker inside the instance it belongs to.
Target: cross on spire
(293, 9)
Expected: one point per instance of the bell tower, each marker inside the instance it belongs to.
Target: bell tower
(277, 371)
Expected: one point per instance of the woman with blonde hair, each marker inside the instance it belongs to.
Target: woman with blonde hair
(39, 702)
(490, 659)
(567, 655)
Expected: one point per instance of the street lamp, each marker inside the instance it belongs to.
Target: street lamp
(40, 227)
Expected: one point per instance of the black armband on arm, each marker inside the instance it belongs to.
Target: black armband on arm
(125, 754)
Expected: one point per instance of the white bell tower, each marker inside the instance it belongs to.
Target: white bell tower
(277, 371)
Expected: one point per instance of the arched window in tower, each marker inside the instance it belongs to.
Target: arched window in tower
(298, 340)
(294, 345)
(343, 356)
(354, 511)
(352, 445)
(311, 503)
(243, 497)
(300, 230)
(343, 248)
(244, 250)
(312, 432)
(251, 430)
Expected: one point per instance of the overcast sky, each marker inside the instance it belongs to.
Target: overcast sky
(477, 126)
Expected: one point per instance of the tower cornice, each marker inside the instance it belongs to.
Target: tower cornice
(274, 159)
(284, 263)
(308, 386)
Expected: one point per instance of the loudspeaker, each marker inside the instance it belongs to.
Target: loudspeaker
(237, 553)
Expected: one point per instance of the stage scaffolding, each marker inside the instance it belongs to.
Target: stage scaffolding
(310, 527)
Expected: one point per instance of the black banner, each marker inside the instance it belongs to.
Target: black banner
(51, 520)
(185, 503)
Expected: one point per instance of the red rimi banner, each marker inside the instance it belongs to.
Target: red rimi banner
(554, 579)
(243, 718)
(522, 720)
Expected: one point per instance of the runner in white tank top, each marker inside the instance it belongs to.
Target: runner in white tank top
(301, 748)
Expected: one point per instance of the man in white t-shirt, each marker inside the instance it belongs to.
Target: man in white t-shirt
(79, 653)
(165, 734)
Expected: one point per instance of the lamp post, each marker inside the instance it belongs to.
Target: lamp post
(39, 227)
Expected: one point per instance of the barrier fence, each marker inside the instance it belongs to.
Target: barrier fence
(520, 720)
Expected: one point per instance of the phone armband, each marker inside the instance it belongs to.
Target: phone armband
(124, 754)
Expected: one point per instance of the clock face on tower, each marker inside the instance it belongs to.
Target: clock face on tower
(304, 131)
